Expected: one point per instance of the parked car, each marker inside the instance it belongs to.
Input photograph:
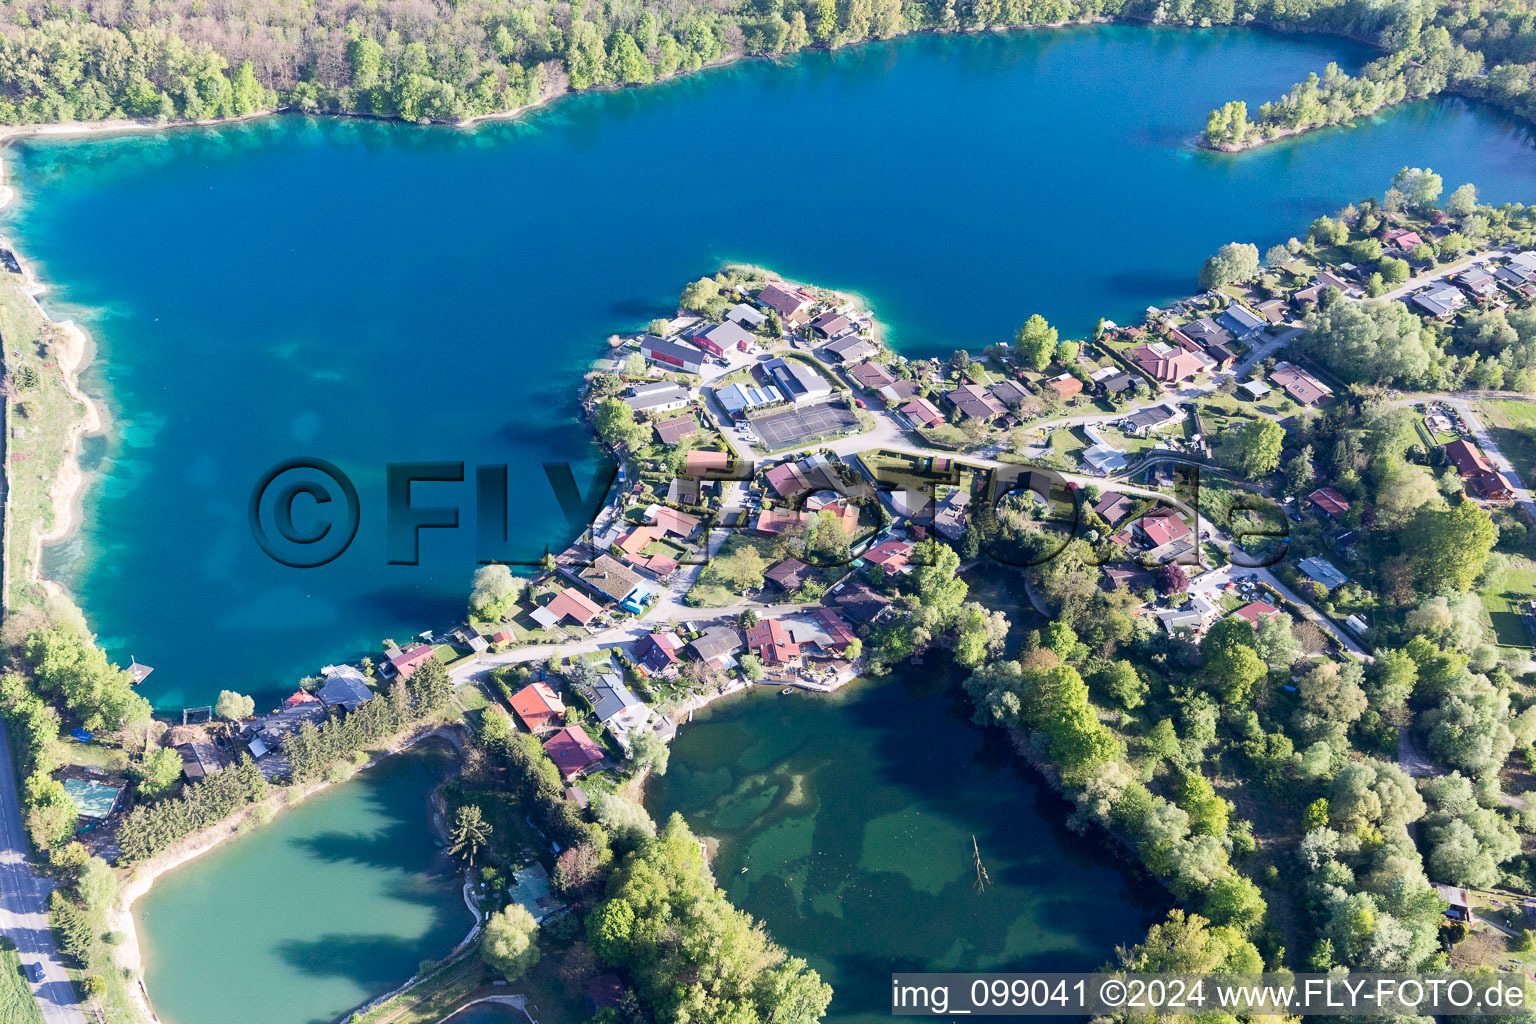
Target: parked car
(35, 971)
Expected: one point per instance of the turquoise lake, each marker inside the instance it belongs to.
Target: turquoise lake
(374, 293)
(334, 902)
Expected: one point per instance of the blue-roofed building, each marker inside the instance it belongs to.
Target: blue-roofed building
(1242, 322)
(737, 399)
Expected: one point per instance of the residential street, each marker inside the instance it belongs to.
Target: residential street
(24, 902)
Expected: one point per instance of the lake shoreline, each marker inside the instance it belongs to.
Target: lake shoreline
(129, 954)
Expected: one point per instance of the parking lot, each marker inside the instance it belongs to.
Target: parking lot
(792, 427)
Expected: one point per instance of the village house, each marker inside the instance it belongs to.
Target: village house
(1194, 616)
(573, 751)
(1478, 283)
(1299, 384)
(1255, 612)
(405, 663)
(739, 399)
(571, 604)
(923, 412)
(658, 652)
(1161, 527)
(717, 645)
(1254, 389)
(1440, 300)
(1273, 310)
(1147, 421)
(1112, 508)
(538, 707)
(773, 521)
(672, 353)
(1476, 471)
(830, 324)
(790, 575)
(851, 349)
(1168, 364)
(1011, 393)
(949, 517)
(1403, 239)
(1244, 324)
(795, 380)
(1065, 385)
(870, 376)
(661, 396)
(746, 316)
(975, 403)
(891, 555)
(1330, 502)
(900, 391)
(616, 706)
(838, 635)
(1324, 572)
(791, 305)
(771, 642)
(860, 603)
(344, 687)
(675, 429)
(1202, 332)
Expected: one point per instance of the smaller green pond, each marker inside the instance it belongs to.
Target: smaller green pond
(334, 902)
(845, 823)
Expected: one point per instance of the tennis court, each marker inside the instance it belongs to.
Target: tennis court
(792, 427)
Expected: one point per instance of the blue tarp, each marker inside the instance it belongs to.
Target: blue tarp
(81, 735)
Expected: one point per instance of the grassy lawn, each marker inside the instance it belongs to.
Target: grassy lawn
(1069, 444)
(16, 1003)
(1512, 425)
(1505, 600)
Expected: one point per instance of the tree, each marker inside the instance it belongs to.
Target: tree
(646, 750)
(157, 772)
(1234, 263)
(625, 820)
(1420, 186)
(1035, 342)
(470, 832)
(1300, 474)
(1170, 579)
(1120, 681)
(752, 667)
(1252, 449)
(616, 424)
(578, 869)
(1449, 547)
(1462, 202)
(495, 590)
(508, 945)
(233, 707)
(701, 296)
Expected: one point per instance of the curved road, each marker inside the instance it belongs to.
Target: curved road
(24, 902)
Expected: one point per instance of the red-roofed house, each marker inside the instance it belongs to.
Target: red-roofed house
(538, 707)
(406, 662)
(976, 402)
(658, 651)
(1166, 363)
(573, 604)
(773, 521)
(1332, 503)
(573, 751)
(1162, 526)
(787, 480)
(1065, 385)
(890, 555)
(1468, 458)
(839, 636)
(872, 376)
(920, 410)
(700, 463)
(672, 521)
(772, 642)
(300, 697)
(1254, 611)
(1404, 239)
(789, 304)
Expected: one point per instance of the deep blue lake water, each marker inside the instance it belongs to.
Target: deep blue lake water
(373, 293)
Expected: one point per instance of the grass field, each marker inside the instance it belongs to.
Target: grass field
(1505, 601)
(1512, 424)
(16, 1003)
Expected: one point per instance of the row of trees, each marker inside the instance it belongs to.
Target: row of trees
(150, 828)
(313, 750)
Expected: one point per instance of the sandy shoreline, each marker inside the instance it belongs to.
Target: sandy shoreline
(129, 953)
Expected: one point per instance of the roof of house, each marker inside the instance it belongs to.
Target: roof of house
(673, 350)
(1324, 571)
(345, 690)
(975, 402)
(1299, 384)
(1253, 611)
(735, 398)
(851, 348)
(900, 391)
(573, 604)
(838, 633)
(745, 314)
(1440, 299)
(786, 479)
(1149, 419)
(655, 395)
(660, 650)
(1329, 500)
(728, 334)
(782, 300)
(572, 750)
(1117, 382)
(675, 429)
(1205, 331)
(409, 660)
(536, 702)
(773, 641)
(609, 577)
(611, 698)
(716, 641)
(1166, 363)
(789, 574)
(1065, 384)
(1468, 458)
(795, 378)
(1162, 526)
(1113, 507)
(871, 375)
(861, 603)
(700, 462)
(1241, 320)
(923, 411)
(891, 555)
(1010, 392)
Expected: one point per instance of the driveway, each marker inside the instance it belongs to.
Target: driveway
(24, 902)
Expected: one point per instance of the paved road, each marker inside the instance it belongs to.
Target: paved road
(24, 902)
(1436, 273)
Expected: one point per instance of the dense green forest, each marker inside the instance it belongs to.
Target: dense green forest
(433, 59)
